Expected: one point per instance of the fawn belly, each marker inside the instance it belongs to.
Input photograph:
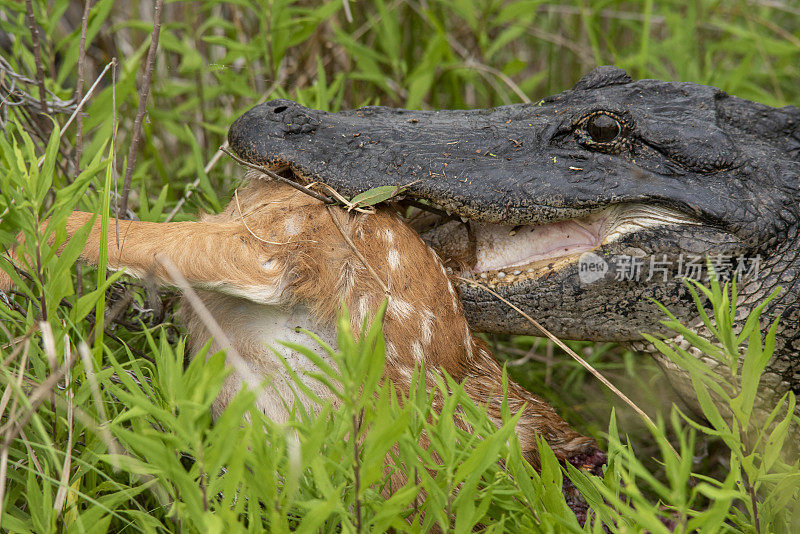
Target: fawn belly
(255, 331)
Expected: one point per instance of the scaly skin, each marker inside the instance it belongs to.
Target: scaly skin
(729, 167)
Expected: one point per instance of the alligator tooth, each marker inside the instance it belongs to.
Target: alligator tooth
(501, 274)
(530, 270)
(517, 272)
(483, 275)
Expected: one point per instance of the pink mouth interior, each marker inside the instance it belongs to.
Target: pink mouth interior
(498, 248)
(525, 250)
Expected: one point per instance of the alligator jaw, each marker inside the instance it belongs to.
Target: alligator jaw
(505, 254)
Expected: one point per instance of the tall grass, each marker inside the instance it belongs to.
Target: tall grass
(104, 425)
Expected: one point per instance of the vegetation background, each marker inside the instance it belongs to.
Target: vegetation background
(104, 429)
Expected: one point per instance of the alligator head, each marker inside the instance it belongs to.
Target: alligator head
(582, 208)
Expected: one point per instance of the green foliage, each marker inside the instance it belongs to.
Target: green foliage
(758, 478)
(760, 491)
(123, 439)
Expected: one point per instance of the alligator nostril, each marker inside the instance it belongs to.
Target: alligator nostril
(280, 109)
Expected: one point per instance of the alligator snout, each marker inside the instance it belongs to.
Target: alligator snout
(276, 119)
(292, 117)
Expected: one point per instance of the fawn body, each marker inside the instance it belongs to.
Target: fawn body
(276, 259)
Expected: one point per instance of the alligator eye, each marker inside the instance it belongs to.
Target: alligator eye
(603, 128)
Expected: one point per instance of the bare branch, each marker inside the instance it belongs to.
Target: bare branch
(87, 4)
(76, 114)
(37, 55)
(144, 92)
(190, 190)
(334, 217)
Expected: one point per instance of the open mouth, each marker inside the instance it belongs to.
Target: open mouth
(503, 254)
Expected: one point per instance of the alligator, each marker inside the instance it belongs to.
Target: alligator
(582, 209)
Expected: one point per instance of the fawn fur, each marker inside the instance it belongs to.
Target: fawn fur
(275, 259)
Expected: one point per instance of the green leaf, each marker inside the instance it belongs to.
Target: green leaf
(376, 195)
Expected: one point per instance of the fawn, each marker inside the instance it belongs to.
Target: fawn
(276, 259)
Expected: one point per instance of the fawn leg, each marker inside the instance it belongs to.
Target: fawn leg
(214, 255)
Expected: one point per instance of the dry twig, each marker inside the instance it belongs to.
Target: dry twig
(279, 178)
(12, 416)
(144, 92)
(88, 369)
(63, 485)
(79, 88)
(190, 190)
(252, 233)
(208, 320)
(565, 348)
(37, 55)
(222, 150)
(334, 218)
(11, 429)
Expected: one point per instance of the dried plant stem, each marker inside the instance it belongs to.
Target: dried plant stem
(222, 150)
(114, 140)
(216, 331)
(88, 369)
(19, 344)
(11, 429)
(34, 458)
(347, 13)
(190, 190)
(335, 219)
(344, 202)
(49, 346)
(76, 114)
(144, 92)
(37, 55)
(252, 233)
(87, 4)
(11, 417)
(477, 65)
(61, 495)
(565, 348)
(279, 178)
(471, 63)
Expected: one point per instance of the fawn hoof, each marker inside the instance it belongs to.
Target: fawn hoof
(592, 461)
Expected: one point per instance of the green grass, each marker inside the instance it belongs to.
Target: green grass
(140, 449)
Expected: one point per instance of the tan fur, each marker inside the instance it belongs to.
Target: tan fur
(283, 249)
